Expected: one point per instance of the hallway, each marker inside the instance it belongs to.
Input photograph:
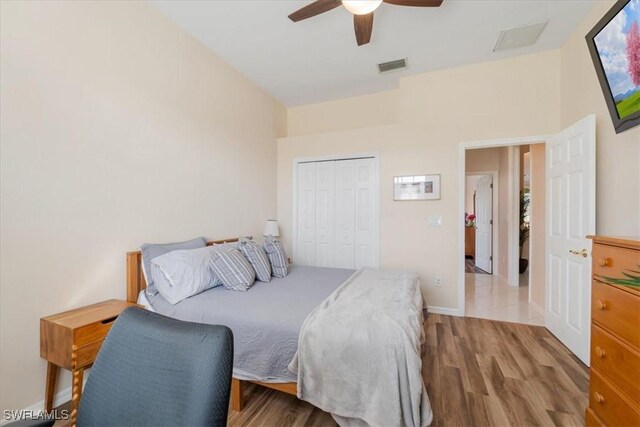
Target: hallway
(489, 297)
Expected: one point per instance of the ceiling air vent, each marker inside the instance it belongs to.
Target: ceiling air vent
(518, 37)
(398, 64)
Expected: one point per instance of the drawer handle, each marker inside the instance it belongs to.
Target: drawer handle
(109, 320)
(599, 397)
(603, 262)
(600, 352)
(602, 305)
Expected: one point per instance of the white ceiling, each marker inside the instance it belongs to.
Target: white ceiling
(318, 60)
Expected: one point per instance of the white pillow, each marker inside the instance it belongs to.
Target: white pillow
(183, 273)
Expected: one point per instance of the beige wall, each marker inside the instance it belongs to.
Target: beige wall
(470, 187)
(435, 113)
(116, 128)
(537, 231)
(618, 156)
(503, 212)
(482, 160)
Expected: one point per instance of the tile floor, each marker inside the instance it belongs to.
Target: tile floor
(489, 297)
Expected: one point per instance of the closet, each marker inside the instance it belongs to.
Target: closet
(337, 213)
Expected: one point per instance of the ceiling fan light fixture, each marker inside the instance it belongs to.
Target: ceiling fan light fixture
(361, 7)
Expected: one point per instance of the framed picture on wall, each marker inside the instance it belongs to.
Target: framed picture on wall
(416, 187)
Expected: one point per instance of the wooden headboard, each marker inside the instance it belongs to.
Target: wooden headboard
(135, 277)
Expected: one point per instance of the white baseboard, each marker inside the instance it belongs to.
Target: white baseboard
(443, 310)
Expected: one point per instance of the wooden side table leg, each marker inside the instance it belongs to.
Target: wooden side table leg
(76, 393)
(50, 387)
(237, 394)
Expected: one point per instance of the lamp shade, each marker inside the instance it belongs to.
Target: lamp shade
(271, 228)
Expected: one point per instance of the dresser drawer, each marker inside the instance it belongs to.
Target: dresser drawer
(617, 362)
(591, 420)
(617, 311)
(610, 261)
(608, 405)
(86, 355)
(93, 331)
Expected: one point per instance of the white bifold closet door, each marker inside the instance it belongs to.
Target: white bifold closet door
(336, 213)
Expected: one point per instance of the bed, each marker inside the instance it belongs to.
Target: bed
(267, 321)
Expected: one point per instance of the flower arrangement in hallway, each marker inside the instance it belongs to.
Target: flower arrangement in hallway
(469, 220)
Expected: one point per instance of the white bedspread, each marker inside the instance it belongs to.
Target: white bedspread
(359, 352)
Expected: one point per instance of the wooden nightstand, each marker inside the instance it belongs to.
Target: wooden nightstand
(71, 340)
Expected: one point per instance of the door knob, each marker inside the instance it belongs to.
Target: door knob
(583, 252)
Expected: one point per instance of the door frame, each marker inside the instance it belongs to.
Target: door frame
(495, 243)
(376, 190)
(514, 208)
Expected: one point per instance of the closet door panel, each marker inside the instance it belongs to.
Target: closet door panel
(366, 205)
(324, 214)
(345, 203)
(306, 201)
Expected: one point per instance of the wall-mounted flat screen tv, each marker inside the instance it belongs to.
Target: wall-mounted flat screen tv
(614, 44)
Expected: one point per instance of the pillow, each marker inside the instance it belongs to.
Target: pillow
(233, 269)
(257, 257)
(152, 250)
(223, 247)
(277, 257)
(181, 274)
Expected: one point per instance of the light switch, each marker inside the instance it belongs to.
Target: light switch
(435, 221)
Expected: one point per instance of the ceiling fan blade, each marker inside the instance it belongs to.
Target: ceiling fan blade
(363, 25)
(415, 3)
(313, 9)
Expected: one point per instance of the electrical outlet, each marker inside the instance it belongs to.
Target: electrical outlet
(438, 282)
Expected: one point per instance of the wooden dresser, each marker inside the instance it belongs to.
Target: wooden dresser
(614, 390)
(470, 241)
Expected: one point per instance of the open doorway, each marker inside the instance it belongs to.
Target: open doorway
(504, 213)
(567, 218)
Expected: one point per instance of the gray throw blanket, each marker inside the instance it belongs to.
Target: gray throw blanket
(359, 352)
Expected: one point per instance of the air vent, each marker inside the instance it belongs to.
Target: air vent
(387, 67)
(514, 38)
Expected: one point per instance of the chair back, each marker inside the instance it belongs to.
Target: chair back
(153, 370)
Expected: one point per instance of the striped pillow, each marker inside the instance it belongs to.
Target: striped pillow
(233, 270)
(254, 253)
(277, 256)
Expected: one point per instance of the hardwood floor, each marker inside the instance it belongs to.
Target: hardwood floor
(477, 372)
(487, 373)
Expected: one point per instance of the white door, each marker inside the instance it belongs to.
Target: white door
(366, 209)
(306, 209)
(345, 213)
(324, 214)
(484, 218)
(570, 182)
(337, 213)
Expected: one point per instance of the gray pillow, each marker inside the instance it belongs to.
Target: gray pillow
(277, 257)
(256, 255)
(233, 269)
(183, 273)
(152, 250)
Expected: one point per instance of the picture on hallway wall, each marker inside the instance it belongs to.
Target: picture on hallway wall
(416, 187)
(614, 44)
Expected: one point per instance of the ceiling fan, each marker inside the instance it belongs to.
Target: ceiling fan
(362, 11)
